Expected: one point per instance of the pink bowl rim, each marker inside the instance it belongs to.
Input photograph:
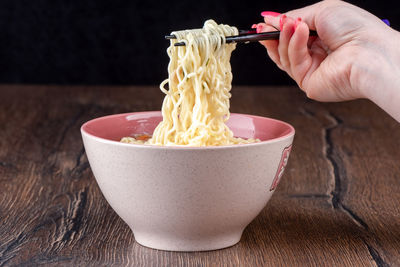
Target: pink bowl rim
(112, 142)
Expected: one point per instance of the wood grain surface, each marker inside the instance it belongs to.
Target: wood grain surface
(337, 204)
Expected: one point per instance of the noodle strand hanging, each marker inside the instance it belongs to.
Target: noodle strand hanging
(196, 103)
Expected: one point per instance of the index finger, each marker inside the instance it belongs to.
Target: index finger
(307, 14)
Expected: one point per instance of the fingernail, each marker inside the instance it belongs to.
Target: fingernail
(254, 26)
(386, 21)
(270, 13)
(282, 21)
(296, 23)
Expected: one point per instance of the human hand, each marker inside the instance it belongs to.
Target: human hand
(354, 55)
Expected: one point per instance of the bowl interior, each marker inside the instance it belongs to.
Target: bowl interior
(114, 127)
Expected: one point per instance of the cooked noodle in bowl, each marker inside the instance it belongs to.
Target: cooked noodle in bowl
(196, 105)
(194, 176)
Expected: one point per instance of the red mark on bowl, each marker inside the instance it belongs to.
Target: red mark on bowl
(281, 167)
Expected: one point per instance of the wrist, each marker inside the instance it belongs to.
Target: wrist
(383, 87)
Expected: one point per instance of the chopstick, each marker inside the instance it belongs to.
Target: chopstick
(246, 36)
(241, 32)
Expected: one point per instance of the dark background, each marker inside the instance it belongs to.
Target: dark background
(122, 42)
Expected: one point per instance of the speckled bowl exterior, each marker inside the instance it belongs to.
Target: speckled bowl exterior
(186, 198)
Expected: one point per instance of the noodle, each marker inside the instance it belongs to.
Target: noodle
(196, 103)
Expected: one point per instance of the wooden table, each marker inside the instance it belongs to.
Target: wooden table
(337, 204)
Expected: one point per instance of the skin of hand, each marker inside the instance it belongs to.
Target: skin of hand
(355, 55)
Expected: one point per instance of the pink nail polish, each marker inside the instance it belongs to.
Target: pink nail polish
(282, 21)
(296, 23)
(270, 13)
(254, 26)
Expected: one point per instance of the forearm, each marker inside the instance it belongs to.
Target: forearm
(389, 98)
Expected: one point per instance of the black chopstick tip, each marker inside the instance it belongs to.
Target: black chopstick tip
(180, 44)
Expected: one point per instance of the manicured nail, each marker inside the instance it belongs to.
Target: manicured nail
(254, 26)
(296, 23)
(270, 13)
(282, 21)
(386, 21)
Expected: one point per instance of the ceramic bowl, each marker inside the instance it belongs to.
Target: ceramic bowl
(186, 198)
